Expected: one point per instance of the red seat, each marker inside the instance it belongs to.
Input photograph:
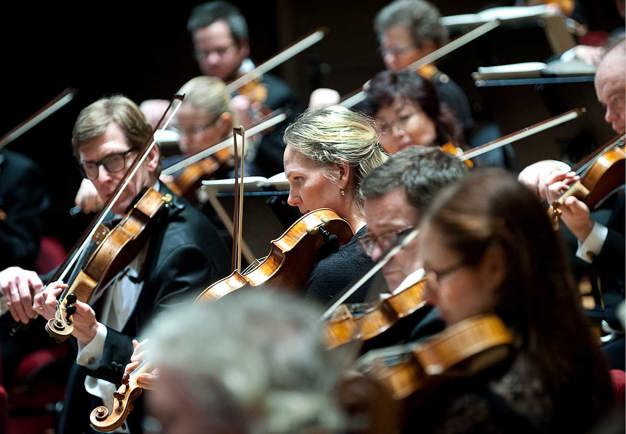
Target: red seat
(618, 379)
(51, 254)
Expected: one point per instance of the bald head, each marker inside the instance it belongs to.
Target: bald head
(610, 86)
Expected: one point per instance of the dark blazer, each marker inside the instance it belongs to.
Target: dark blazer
(185, 255)
(23, 201)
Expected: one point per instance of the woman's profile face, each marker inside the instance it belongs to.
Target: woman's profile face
(459, 290)
(403, 123)
(310, 184)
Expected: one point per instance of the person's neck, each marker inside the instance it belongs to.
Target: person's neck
(354, 216)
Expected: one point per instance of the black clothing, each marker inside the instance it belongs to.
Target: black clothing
(184, 256)
(455, 99)
(23, 201)
(339, 270)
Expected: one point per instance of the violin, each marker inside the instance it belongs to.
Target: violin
(364, 321)
(190, 179)
(287, 266)
(462, 350)
(600, 175)
(291, 257)
(115, 249)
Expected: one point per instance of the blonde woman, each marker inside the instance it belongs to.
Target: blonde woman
(328, 153)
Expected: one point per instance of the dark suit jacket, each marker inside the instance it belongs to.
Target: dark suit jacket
(22, 203)
(185, 255)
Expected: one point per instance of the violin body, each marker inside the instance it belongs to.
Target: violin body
(115, 249)
(188, 182)
(365, 321)
(291, 257)
(461, 350)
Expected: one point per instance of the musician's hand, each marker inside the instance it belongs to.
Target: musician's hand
(576, 216)
(146, 380)
(87, 198)
(535, 176)
(45, 302)
(85, 323)
(19, 286)
(554, 185)
(242, 107)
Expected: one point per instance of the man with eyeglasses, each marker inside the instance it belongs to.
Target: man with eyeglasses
(220, 38)
(408, 30)
(182, 255)
(396, 194)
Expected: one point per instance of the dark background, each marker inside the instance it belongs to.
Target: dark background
(143, 50)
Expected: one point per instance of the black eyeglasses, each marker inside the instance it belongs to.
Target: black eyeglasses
(112, 163)
(384, 241)
(439, 275)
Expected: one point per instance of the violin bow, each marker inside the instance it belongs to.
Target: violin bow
(61, 272)
(238, 205)
(278, 59)
(359, 96)
(380, 264)
(56, 103)
(268, 121)
(523, 133)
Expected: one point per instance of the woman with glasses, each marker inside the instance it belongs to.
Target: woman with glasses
(408, 112)
(328, 153)
(488, 248)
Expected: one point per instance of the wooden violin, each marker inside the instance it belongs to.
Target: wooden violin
(190, 179)
(287, 266)
(291, 257)
(115, 249)
(462, 350)
(600, 175)
(364, 321)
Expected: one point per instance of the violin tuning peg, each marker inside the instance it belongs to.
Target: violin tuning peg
(71, 298)
(70, 310)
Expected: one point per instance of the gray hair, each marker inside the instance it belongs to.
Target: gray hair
(257, 356)
(207, 93)
(206, 14)
(420, 171)
(419, 16)
(334, 135)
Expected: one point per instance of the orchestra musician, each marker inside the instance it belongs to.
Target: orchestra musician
(182, 255)
(487, 246)
(396, 194)
(220, 38)
(285, 383)
(599, 236)
(328, 153)
(204, 117)
(410, 111)
(408, 30)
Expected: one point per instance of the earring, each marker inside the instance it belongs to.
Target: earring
(342, 192)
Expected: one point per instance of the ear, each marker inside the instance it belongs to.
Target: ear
(344, 173)
(493, 267)
(152, 162)
(428, 47)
